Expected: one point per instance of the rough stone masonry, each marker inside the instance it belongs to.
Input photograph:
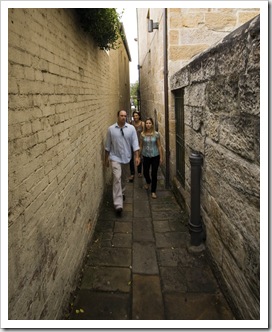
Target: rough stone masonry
(222, 121)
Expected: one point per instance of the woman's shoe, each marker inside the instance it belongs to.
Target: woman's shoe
(146, 186)
(131, 178)
(153, 195)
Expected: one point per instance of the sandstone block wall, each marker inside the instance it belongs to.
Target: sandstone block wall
(222, 121)
(193, 30)
(63, 94)
(190, 32)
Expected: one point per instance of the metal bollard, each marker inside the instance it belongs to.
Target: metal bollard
(195, 223)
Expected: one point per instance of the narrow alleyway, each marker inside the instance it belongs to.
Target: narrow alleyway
(138, 265)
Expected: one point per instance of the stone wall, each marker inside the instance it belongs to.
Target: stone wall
(190, 31)
(222, 121)
(193, 30)
(63, 94)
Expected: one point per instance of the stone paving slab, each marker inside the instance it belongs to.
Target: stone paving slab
(200, 280)
(110, 257)
(147, 301)
(142, 210)
(122, 240)
(171, 239)
(101, 305)
(196, 306)
(142, 230)
(122, 227)
(170, 257)
(162, 215)
(111, 279)
(144, 258)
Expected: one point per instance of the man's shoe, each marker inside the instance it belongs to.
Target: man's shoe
(119, 211)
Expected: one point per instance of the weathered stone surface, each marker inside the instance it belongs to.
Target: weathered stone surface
(101, 306)
(142, 230)
(171, 239)
(225, 21)
(197, 118)
(229, 139)
(122, 240)
(237, 134)
(110, 256)
(186, 51)
(173, 279)
(195, 95)
(180, 306)
(249, 93)
(199, 279)
(249, 301)
(106, 279)
(144, 258)
(212, 126)
(180, 79)
(147, 298)
(195, 139)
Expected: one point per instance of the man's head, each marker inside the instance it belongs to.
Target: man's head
(122, 116)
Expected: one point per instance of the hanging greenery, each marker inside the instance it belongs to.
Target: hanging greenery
(103, 24)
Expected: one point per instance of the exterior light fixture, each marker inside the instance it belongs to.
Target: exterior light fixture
(152, 25)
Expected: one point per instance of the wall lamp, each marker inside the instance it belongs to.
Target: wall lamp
(152, 25)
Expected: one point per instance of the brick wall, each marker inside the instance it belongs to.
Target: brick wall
(222, 121)
(63, 94)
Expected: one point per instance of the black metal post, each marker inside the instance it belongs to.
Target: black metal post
(195, 224)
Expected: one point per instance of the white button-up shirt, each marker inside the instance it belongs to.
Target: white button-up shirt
(119, 146)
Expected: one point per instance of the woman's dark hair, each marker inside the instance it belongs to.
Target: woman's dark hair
(136, 112)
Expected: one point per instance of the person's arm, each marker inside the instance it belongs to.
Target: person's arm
(107, 162)
(135, 146)
(160, 149)
(136, 157)
(141, 145)
(107, 147)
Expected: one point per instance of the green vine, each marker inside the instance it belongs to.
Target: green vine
(103, 24)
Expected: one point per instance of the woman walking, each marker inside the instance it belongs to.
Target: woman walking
(139, 126)
(151, 150)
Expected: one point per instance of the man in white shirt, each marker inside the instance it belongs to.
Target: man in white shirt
(121, 137)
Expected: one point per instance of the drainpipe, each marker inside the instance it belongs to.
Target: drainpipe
(138, 67)
(166, 106)
(195, 224)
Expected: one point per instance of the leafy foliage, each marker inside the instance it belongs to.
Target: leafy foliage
(103, 24)
(134, 92)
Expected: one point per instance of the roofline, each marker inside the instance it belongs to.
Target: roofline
(124, 38)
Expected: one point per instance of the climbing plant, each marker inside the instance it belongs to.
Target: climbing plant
(103, 24)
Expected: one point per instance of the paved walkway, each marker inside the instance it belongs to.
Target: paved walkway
(138, 265)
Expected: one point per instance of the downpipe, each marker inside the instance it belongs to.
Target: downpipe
(196, 229)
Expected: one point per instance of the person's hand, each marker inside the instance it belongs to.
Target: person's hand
(137, 161)
(107, 162)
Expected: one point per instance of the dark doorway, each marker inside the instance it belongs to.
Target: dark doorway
(180, 145)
